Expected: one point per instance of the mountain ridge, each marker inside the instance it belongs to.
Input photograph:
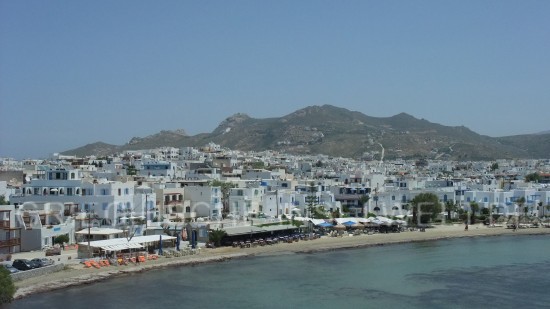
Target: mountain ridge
(337, 131)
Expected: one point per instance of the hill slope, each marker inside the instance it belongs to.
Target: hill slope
(337, 131)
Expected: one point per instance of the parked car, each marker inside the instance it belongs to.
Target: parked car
(22, 264)
(42, 262)
(10, 268)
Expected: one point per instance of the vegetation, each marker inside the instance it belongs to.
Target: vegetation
(534, 177)
(474, 208)
(520, 202)
(427, 204)
(216, 236)
(225, 187)
(311, 198)
(450, 207)
(131, 170)
(494, 166)
(7, 288)
(3, 200)
(61, 239)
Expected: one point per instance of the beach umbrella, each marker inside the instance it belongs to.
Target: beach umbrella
(160, 245)
(325, 224)
(348, 223)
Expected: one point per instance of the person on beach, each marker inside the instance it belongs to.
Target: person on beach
(466, 226)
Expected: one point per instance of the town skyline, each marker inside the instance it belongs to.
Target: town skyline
(76, 73)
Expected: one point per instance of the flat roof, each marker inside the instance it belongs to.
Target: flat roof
(244, 230)
(99, 231)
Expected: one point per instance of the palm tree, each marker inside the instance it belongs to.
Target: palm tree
(450, 206)
(520, 201)
(216, 236)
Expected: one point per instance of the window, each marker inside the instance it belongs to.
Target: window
(69, 191)
(72, 175)
(393, 197)
(468, 199)
(104, 206)
(126, 191)
(119, 192)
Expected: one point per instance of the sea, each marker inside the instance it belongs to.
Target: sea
(478, 272)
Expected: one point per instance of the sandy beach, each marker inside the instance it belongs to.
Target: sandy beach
(76, 274)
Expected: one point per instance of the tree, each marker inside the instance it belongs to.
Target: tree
(311, 198)
(494, 166)
(3, 200)
(61, 239)
(225, 187)
(450, 206)
(7, 288)
(216, 236)
(474, 208)
(534, 177)
(427, 204)
(364, 199)
(131, 170)
(520, 201)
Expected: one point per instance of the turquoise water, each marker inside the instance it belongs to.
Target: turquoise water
(503, 272)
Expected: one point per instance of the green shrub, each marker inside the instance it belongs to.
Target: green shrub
(7, 288)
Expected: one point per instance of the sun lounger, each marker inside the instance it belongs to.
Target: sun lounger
(95, 264)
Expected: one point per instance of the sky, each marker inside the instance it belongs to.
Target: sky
(77, 72)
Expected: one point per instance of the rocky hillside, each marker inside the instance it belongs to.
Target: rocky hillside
(339, 132)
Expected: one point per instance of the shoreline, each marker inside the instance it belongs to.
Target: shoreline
(76, 274)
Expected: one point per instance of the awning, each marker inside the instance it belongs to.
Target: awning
(121, 247)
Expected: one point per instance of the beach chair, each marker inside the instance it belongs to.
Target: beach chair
(95, 264)
(87, 264)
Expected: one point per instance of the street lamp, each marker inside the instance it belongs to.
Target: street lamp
(146, 214)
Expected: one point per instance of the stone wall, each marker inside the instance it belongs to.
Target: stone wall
(37, 272)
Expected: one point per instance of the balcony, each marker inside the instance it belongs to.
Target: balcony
(4, 224)
(10, 242)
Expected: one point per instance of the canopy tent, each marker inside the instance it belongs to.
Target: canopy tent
(119, 244)
(121, 247)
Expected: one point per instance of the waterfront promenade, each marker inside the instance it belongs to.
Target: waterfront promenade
(76, 274)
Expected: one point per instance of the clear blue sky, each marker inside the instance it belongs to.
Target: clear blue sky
(77, 72)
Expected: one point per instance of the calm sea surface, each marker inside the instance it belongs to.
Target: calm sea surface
(501, 272)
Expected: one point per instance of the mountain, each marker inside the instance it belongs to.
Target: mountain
(337, 131)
